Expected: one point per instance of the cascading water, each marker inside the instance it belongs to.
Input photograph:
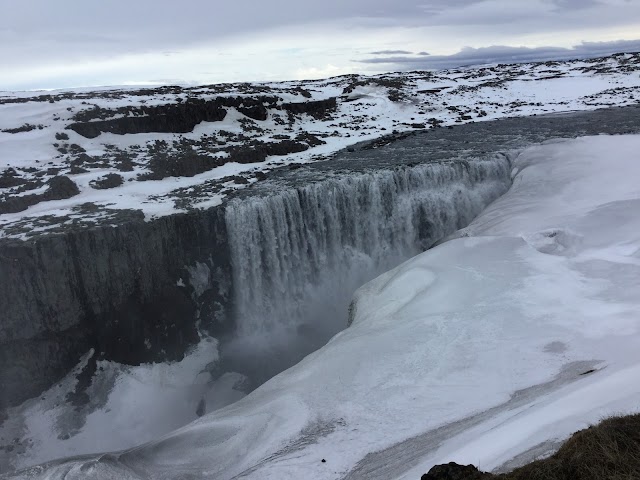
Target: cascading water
(299, 254)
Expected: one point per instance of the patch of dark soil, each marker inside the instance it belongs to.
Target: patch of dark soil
(29, 185)
(318, 109)
(9, 178)
(111, 180)
(60, 188)
(27, 127)
(432, 91)
(302, 91)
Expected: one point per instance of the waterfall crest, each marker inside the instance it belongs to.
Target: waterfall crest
(298, 254)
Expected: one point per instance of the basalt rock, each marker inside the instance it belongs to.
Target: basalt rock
(180, 118)
(183, 117)
(60, 188)
(317, 109)
(127, 292)
(453, 471)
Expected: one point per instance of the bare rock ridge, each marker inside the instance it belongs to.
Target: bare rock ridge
(58, 188)
(453, 471)
(184, 116)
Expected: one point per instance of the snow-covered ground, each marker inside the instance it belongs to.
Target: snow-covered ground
(500, 341)
(494, 345)
(36, 144)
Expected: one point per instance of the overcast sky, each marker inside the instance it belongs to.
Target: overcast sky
(65, 43)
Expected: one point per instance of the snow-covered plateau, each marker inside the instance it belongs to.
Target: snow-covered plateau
(178, 226)
(171, 149)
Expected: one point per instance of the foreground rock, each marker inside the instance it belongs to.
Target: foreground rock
(453, 471)
(609, 450)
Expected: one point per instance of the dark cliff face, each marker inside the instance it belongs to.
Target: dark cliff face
(165, 119)
(183, 117)
(134, 293)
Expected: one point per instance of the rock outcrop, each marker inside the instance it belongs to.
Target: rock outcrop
(453, 471)
(134, 293)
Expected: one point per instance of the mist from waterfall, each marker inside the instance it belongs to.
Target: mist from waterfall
(299, 254)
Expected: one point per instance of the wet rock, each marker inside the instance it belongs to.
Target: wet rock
(24, 128)
(18, 204)
(259, 151)
(179, 164)
(255, 112)
(302, 91)
(309, 139)
(87, 207)
(60, 188)
(239, 180)
(75, 170)
(10, 178)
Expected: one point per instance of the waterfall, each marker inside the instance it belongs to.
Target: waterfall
(298, 254)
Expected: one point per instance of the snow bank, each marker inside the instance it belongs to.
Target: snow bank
(513, 335)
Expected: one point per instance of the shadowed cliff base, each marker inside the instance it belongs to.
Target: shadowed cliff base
(608, 451)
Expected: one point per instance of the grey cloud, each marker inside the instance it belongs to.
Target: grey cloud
(64, 29)
(392, 52)
(576, 4)
(434, 7)
(39, 31)
(503, 54)
(37, 35)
